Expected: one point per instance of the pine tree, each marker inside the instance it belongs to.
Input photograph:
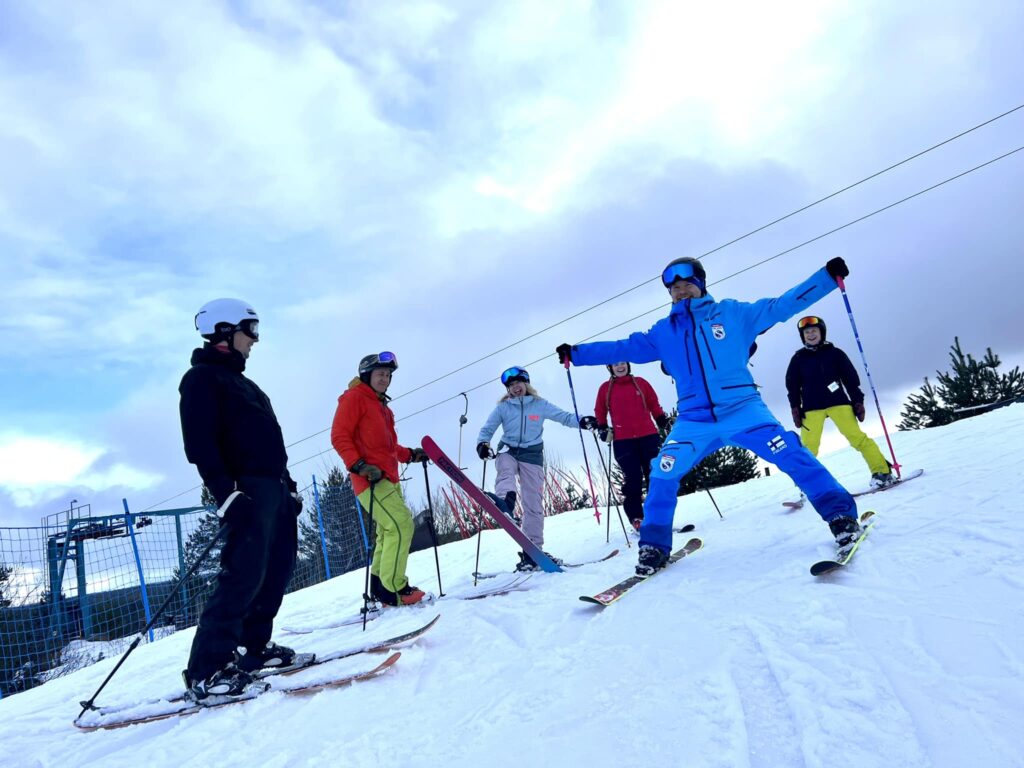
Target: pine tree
(726, 466)
(200, 584)
(5, 577)
(971, 388)
(343, 536)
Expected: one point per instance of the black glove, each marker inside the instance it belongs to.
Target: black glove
(604, 433)
(588, 422)
(418, 456)
(837, 268)
(483, 450)
(664, 422)
(236, 507)
(370, 472)
(858, 410)
(296, 503)
(564, 352)
(798, 418)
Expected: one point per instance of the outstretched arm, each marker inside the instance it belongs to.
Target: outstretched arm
(638, 348)
(765, 313)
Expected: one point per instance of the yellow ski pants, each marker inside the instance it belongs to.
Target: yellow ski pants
(846, 423)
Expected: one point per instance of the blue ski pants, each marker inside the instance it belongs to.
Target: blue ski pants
(748, 425)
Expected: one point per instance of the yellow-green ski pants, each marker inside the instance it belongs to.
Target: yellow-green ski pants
(846, 423)
(394, 533)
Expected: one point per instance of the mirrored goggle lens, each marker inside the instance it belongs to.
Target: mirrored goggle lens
(803, 322)
(250, 328)
(387, 357)
(514, 373)
(675, 272)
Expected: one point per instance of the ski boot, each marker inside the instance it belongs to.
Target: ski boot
(651, 560)
(223, 685)
(273, 657)
(846, 530)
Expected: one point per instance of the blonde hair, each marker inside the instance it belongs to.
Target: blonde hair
(529, 390)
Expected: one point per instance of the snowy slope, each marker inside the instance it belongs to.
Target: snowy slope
(734, 657)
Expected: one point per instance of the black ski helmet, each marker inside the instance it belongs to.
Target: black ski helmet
(811, 321)
(379, 360)
(698, 277)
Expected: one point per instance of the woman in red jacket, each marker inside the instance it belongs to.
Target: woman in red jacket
(631, 407)
(363, 434)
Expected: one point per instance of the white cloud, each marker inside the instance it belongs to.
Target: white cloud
(35, 469)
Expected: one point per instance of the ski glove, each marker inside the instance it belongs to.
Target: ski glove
(837, 267)
(370, 472)
(564, 352)
(588, 422)
(296, 503)
(798, 418)
(858, 410)
(483, 450)
(418, 456)
(605, 433)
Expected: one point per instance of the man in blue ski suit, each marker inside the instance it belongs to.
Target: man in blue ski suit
(704, 345)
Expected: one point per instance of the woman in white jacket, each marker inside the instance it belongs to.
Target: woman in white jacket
(521, 414)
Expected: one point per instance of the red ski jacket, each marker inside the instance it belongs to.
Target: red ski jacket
(364, 428)
(633, 405)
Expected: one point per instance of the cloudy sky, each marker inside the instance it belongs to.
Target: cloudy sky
(444, 179)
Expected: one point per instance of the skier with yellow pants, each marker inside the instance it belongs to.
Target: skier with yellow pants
(822, 383)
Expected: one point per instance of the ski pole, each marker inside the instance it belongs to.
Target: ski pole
(433, 531)
(366, 581)
(708, 492)
(583, 444)
(608, 513)
(479, 528)
(171, 595)
(871, 383)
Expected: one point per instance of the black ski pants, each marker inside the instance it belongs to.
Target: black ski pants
(634, 456)
(256, 563)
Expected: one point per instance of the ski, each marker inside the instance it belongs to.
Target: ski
(190, 709)
(686, 528)
(794, 505)
(609, 556)
(612, 594)
(371, 614)
(449, 467)
(827, 566)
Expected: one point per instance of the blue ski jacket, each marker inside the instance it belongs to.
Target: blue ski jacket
(705, 345)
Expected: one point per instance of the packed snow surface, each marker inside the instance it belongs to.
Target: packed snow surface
(734, 657)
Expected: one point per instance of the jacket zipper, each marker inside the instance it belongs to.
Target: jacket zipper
(703, 376)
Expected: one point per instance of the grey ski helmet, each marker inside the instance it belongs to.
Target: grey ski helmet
(218, 320)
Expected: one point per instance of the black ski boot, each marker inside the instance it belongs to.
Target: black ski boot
(846, 530)
(883, 479)
(274, 657)
(223, 685)
(651, 559)
(526, 564)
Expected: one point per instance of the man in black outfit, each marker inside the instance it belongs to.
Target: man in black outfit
(232, 436)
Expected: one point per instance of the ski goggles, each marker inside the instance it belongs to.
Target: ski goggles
(514, 373)
(250, 328)
(682, 271)
(379, 360)
(806, 322)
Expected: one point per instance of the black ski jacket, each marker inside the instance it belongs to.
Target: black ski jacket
(821, 377)
(228, 425)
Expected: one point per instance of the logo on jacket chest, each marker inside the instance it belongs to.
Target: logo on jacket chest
(533, 417)
(718, 331)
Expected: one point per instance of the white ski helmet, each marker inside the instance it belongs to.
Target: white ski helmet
(216, 320)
